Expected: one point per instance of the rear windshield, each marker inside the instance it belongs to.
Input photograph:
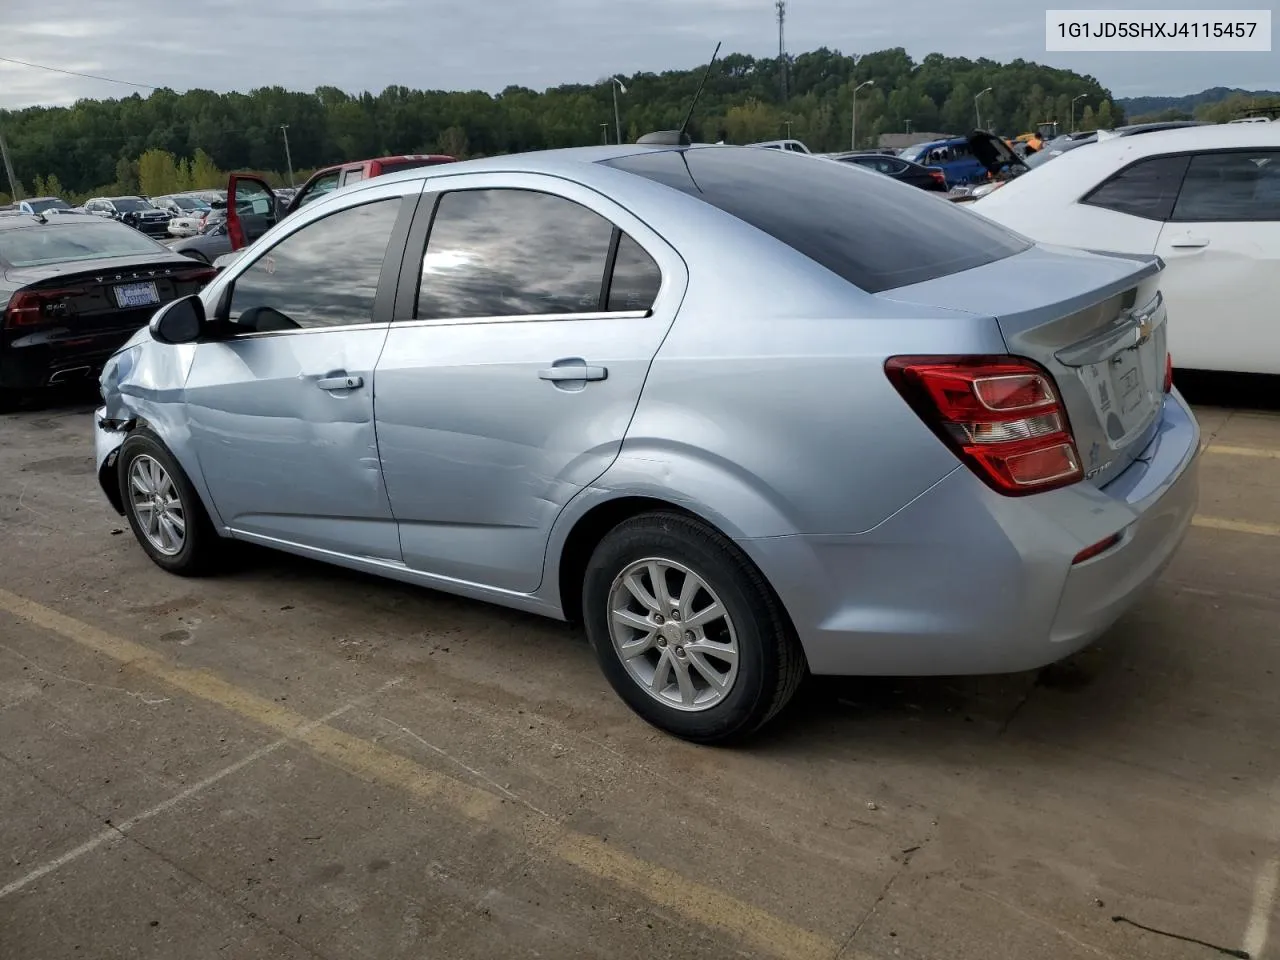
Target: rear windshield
(129, 204)
(866, 228)
(64, 243)
(40, 206)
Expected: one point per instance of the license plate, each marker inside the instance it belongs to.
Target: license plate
(137, 294)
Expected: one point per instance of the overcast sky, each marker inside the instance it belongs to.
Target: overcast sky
(487, 44)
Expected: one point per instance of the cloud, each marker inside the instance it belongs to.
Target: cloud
(370, 44)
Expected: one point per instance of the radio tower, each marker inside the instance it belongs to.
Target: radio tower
(782, 44)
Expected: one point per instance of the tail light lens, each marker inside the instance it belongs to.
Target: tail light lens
(1168, 372)
(33, 308)
(200, 275)
(1001, 415)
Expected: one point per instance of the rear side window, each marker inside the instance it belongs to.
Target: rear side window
(636, 277)
(874, 233)
(1146, 189)
(1231, 187)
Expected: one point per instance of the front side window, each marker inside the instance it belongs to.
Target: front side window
(323, 275)
(504, 252)
(1234, 186)
(351, 176)
(1146, 189)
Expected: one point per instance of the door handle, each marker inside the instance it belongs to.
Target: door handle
(1190, 242)
(574, 371)
(340, 383)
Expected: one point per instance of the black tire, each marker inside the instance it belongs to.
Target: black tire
(202, 549)
(770, 662)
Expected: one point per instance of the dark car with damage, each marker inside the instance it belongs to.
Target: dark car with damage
(73, 289)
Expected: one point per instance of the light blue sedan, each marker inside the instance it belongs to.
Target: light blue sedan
(743, 415)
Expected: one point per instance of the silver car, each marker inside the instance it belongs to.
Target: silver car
(743, 415)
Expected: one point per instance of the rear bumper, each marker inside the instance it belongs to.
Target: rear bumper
(963, 580)
(41, 360)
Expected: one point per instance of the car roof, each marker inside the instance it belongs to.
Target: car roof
(566, 161)
(1074, 172)
(17, 221)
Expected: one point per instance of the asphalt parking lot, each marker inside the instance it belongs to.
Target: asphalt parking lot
(294, 761)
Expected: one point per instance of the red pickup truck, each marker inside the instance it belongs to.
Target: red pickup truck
(252, 207)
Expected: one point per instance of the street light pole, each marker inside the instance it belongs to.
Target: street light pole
(617, 85)
(284, 128)
(977, 110)
(15, 188)
(853, 139)
(1073, 111)
(604, 133)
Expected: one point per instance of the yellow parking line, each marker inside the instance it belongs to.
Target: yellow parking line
(703, 905)
(1236, 526)
(1263, 452)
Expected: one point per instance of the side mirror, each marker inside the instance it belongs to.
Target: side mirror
(181, 321)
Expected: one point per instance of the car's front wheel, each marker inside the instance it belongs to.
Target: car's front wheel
(163, 509)
(687, 631)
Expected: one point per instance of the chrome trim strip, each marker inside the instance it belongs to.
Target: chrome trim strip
(259, 334)
(527, 318)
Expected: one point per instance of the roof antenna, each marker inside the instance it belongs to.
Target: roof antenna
(680, 138)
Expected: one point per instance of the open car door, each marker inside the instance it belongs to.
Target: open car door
(252, 209)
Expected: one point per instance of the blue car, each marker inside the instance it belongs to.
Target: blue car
(953, 156)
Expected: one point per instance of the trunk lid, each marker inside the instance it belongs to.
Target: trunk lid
(106, 294)
(1095, 321)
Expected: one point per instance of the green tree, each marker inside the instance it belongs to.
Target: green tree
(1106, 119)
(126, 176)
(453, 141)
(157, 173)
(53, 186)
(205, 174)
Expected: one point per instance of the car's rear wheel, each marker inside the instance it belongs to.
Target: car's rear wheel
(164, 510)
(687, 631)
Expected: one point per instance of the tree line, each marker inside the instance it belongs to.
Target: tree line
(183, 139)
(1232, 107)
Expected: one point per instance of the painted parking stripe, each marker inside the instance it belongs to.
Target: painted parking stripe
(1230, 451)
(1236, 526)
(706, 906)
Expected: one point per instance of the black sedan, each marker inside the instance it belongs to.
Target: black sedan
(918, 175)
(73, 289)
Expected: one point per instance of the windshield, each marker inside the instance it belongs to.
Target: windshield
(131, 204)
(190, 203)
(871, 231)
(40, 206)
(64, 243)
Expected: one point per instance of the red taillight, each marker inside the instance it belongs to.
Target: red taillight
(31, 308)
(1001, 415)
(938, 175)
(200, 275)
(1168, 372)
(1102, 546)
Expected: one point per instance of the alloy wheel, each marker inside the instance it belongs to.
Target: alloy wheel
(673, 634)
